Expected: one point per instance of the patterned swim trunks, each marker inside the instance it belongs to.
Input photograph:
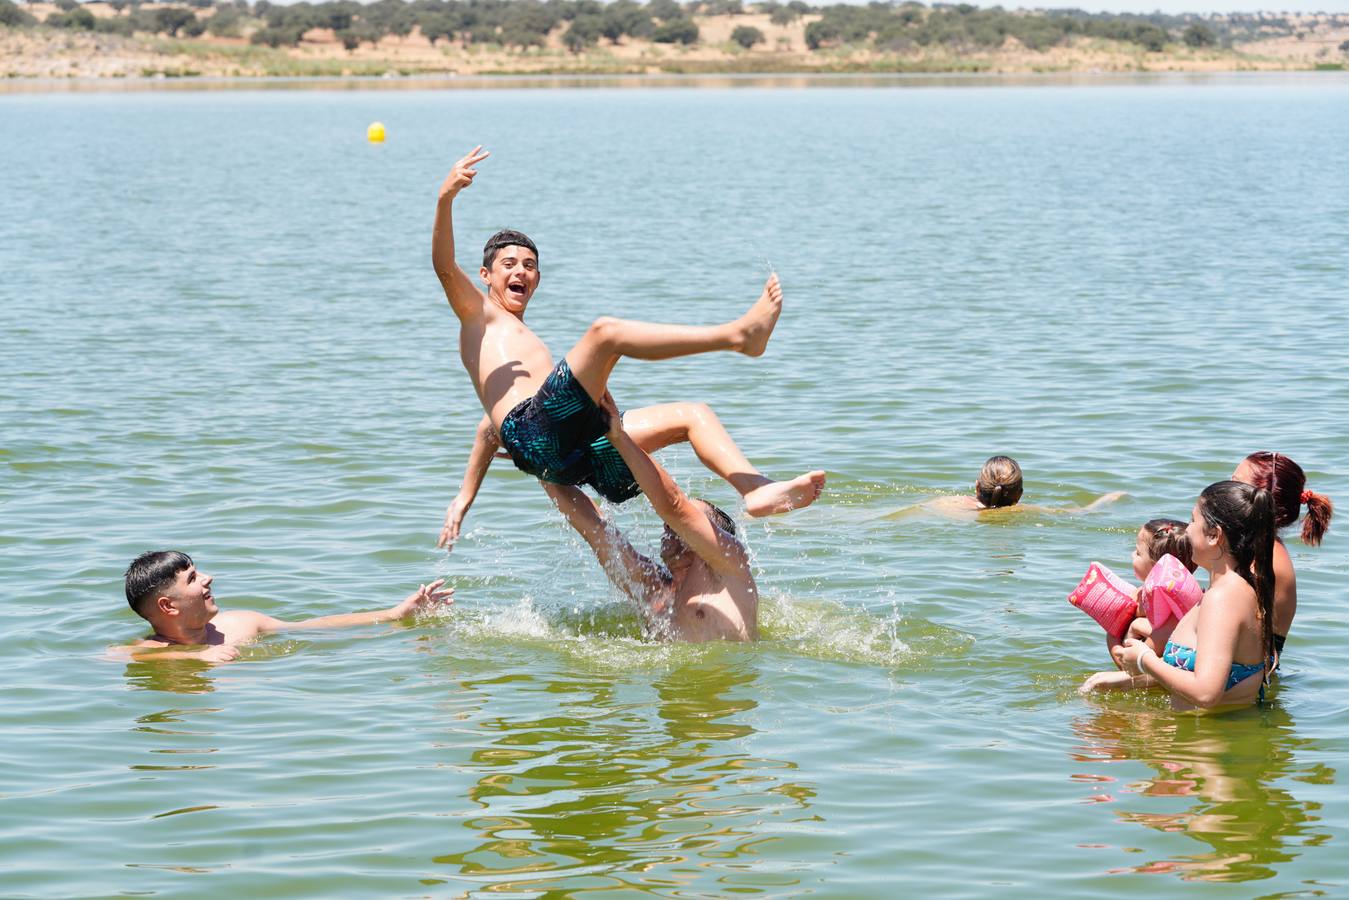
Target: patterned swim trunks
(558, 435)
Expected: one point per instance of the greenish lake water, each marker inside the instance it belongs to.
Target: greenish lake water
(220, 331)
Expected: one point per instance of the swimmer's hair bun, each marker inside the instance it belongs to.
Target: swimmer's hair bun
(1103, 596)
(1170, 591)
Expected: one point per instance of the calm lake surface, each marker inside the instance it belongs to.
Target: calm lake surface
(220, 332)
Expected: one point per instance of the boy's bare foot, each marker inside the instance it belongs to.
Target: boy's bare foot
(757, 324)
(778, 497)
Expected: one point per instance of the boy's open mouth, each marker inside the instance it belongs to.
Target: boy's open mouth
(516, 288)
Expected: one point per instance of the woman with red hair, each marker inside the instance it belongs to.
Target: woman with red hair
(1285, 480)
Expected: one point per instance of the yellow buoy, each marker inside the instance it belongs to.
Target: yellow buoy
(375, 133)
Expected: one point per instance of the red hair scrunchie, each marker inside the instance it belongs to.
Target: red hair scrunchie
(1306, 497)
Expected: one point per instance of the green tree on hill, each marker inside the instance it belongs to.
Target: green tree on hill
(78, 19)
(13, 17)
(584, 31)
(227, 22)
(1197, 36)
(359, 33)
(389, 17)
(337, 15)
(172, 19)
(665, 10)
(677, 31)
(747, 36)
(278, 36)
(822, 33)
(438, 24)
(624, 18)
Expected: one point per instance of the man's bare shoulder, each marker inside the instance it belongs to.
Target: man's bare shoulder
(238, 626)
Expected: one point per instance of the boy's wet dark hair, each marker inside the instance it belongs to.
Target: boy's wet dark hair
(150, 573)
(999, 482)
(1168, 536)
(718, 516)
(502, 239)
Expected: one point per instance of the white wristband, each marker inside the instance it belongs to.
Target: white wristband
(1138, 663)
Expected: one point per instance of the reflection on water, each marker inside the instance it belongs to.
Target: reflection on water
(178, 676)
(1232, 774)
(602, 793)
(190, 676)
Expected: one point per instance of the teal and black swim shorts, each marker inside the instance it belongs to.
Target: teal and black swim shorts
(558, 435)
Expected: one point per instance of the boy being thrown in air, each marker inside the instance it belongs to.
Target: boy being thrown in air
(547, 416)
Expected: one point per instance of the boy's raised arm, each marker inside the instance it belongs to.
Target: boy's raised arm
(485, 444)
(465, 299)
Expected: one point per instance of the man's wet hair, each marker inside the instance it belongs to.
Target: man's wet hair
(502, 239)
(719, 517)
(150, 573)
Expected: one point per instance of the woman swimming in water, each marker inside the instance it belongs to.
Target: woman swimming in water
(1222, 650)
(1285, 479)
(1000, 484)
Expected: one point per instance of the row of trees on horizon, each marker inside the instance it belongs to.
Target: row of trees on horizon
(889, 27)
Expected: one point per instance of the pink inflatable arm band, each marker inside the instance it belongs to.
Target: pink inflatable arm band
(1169, 591)
(1103, 596)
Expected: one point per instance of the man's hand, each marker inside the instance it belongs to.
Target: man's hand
(611, 413)
(220, 653)
(424, 598)
(461, 176)
(454, 520)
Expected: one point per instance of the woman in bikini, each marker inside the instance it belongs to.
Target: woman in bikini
(1222, 650)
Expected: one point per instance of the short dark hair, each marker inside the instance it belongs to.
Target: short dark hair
(502, 239)
(150, 573)
(719, 517)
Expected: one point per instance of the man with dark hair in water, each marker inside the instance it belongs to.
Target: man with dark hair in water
(165, 588)
(705, 590)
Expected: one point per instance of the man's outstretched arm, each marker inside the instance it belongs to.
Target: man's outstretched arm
(465, 299)
(485, 445)
(720, 550)
(633, 573)
(425, 597)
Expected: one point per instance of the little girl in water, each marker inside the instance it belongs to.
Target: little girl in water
(1156, 538)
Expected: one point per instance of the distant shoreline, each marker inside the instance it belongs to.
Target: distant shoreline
(797, 80)
(109, 45)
